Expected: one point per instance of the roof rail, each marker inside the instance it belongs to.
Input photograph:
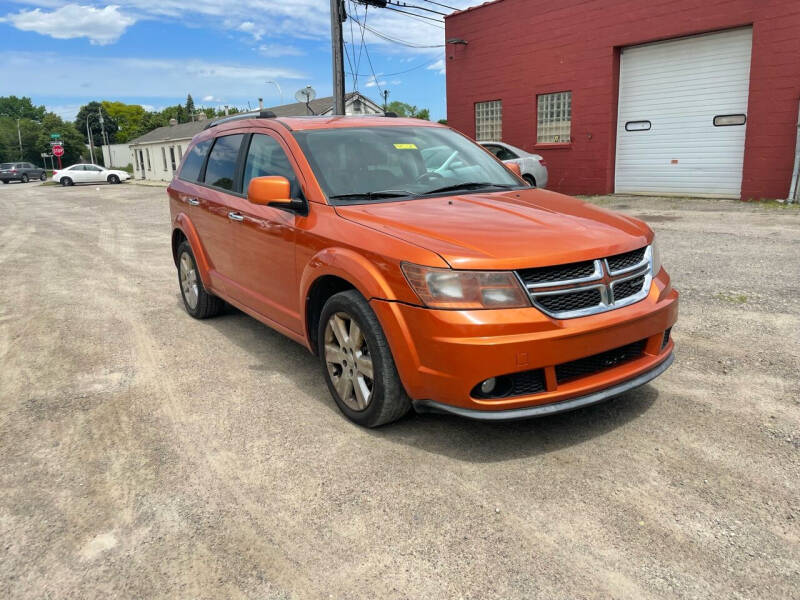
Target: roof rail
(264, 114)
(390, 114)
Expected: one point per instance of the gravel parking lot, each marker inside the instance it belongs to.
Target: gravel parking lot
(146, 454)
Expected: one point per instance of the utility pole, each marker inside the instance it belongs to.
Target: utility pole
(91, 143)
(337, 14)
(385, 99)
(19, 136)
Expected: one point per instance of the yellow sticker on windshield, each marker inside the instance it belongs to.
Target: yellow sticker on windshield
(406, 146)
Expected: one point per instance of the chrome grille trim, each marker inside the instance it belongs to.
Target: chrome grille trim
(597, 274)
(602, 279)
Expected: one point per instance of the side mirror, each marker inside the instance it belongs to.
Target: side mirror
(270, 191)
(514, 168)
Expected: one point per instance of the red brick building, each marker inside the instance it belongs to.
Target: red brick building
(684, 97)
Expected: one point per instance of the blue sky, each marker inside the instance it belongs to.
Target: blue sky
(154, 52)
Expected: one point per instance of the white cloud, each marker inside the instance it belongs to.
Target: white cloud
(276, 50)
(438, 66)
(100, 25)
(135, 77)
(251, 28)
(374, 82)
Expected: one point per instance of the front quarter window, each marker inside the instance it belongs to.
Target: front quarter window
(357, 164)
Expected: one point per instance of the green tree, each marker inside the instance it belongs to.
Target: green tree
(401, 109)
(20, 108)
(189, 105)
(92, 112)
(74, 143)
(129, 119)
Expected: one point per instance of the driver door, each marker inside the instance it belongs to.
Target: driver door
(265, 238)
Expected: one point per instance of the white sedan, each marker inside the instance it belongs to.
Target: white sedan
(533, 168)
(86, 173)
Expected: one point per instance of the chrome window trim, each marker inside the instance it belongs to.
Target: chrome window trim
(607, 303)
(598, 274)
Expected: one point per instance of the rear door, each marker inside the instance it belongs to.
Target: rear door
(214, 193)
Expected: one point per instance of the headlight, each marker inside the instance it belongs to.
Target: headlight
(656, 257)
(446, 288)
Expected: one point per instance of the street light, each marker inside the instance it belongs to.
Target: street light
(275, 83)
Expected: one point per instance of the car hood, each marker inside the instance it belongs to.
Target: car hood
(504, 230)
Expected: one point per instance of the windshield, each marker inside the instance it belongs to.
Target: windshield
(362, 164)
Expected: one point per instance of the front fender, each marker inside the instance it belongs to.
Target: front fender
(372, 278)
(185, 225)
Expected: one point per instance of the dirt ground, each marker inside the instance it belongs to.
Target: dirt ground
(144, 454)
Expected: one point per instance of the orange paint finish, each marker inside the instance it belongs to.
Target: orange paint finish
(266, 259)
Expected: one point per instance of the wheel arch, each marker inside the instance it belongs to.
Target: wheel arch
(334, 270)
(183, 229)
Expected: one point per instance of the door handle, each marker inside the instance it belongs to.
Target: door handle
(193, 201)
(235, 216)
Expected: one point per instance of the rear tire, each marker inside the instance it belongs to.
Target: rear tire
(113, 179)
(357, 362)
(24, 178)
(198, 302)
(66, 181)
(531, 181)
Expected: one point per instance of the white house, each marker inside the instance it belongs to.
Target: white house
(157, 154)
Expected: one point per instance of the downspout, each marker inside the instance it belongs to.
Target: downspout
(796, 171)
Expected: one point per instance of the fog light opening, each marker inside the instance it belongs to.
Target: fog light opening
(488, 385)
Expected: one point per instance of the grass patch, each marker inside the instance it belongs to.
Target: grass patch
(732, 298)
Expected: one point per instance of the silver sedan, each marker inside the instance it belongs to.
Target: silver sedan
(532, 165)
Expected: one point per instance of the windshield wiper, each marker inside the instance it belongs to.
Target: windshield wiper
(373, 195)
(468, 185)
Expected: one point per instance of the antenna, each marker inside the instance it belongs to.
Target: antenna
(306, 95)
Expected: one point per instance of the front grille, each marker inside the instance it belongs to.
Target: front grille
(599, 362)
(589, 287)
(628, 288)
(620, 262)
(569, 301)
(665, 341)
(579, 270)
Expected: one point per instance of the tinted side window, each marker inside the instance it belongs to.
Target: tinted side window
(266, 157)
(221, 166)
(190, 171)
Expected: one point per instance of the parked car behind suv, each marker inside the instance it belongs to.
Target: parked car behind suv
(532, 166)
(448, 285)
(21, 171)
(88, 173)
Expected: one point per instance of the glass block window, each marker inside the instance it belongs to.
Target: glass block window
(489, 120)
(554, 118)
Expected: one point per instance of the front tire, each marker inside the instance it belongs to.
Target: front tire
(357, 362)
(198, 302)
(43, 177)
(24, 178)
(113, 179)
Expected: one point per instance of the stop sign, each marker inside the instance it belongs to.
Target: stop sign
(58, 150)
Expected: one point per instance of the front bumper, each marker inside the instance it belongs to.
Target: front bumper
(442, 355)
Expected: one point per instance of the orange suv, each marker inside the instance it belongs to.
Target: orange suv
(419, 269)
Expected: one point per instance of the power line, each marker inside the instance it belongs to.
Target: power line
(414, 68)
(405, 5)
(417, 16)
(440, 4)
(389, 38)
(366, 51)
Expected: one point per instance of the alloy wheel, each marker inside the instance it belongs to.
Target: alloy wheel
(188, 276)
(349, 362)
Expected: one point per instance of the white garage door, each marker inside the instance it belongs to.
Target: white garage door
(682, 108)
